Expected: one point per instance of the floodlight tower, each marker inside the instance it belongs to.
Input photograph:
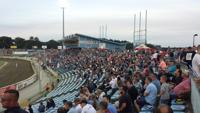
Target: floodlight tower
(63, 5)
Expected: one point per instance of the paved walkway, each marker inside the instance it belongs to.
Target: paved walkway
(36, 87)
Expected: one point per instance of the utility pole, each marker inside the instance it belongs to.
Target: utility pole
(146, 27)
(63, 10)
(134, 31)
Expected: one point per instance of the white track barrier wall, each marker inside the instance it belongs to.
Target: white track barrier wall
(52, 72)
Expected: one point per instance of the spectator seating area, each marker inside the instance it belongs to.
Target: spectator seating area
(67, 89)
(177, 105)
(110, 72)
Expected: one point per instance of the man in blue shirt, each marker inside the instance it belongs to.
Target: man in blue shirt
(156, 82)
(151, 91)
(111, 108)
(149, 97)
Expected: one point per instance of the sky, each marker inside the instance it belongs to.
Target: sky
(170, 22)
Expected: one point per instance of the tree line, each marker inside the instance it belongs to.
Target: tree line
(21, 43)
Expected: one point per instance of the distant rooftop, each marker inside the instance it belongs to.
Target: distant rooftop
(99, 39)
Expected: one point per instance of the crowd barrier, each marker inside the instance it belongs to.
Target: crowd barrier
(22, 84)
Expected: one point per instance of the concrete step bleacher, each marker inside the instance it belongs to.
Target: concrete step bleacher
(178, 106)
(66, 89)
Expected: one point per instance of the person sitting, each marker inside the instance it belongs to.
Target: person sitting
(70, 107)
(110, 106)
(149, 97)
(132, 91)
(50, 103)
(137, 83)
(162, 66)
(65, 106)
(99, 93)
(61, 110)
(125, 105)
(41, 108)
(163, 108)
(87, 108)
(177, 78)
(171, 67)
(183, 87)
(77, 105)
(103, 108)
(30, 109)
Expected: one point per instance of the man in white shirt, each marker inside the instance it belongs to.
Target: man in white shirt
(196, 62)
(113, 82)
(113, 85)
(155, 55)
(87, 108)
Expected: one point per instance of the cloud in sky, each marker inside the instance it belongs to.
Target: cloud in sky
(169, 21)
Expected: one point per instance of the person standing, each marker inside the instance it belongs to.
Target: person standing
(9, 101)
(196, 62)
(164, 91)
(189, 56)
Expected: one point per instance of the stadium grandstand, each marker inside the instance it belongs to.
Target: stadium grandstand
(88, 75)
(144, 79)
(145, 61)
(83, 41)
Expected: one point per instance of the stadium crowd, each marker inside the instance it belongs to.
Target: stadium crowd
(152, 78)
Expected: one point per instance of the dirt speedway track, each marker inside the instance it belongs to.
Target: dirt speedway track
(14, 71)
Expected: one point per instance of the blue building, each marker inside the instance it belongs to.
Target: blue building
(83, 41)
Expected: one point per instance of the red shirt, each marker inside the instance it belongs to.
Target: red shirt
(183, 87)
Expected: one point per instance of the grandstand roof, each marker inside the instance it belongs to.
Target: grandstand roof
(99, 39)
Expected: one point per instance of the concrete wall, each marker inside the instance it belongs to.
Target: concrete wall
(37, 86)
